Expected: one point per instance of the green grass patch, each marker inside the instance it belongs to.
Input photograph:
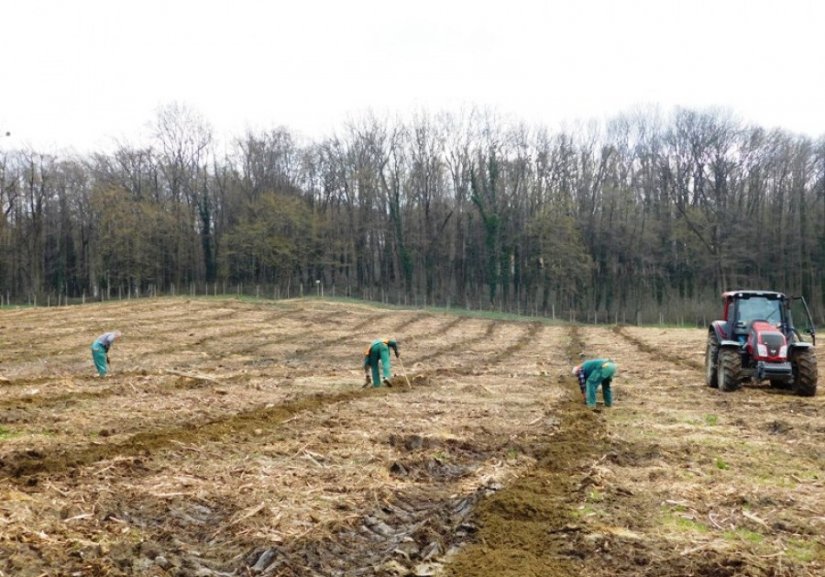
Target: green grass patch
(721, 464)
(682, 524)
(803, 473)
(441, 456)
(711, 420)
(804, 551)
(742, 534)
(594, 496)
(583, 511)
(7, 433)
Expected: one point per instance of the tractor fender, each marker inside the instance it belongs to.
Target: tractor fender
(718, 328)
(799, 345)
(725, 344)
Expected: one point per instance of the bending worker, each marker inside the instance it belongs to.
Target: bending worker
(100, 351)
(379, 350)
(593, 373)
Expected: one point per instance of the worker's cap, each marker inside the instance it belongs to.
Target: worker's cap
(608, 369)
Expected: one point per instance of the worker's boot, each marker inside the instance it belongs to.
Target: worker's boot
(387, 382)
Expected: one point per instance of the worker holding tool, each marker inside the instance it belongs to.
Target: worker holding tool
(593, 373)
(100, 351)
(379, 350)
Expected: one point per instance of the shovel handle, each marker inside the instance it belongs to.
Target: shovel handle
(400, 362)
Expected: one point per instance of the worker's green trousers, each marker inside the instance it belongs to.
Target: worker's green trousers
(99, 357)
(380, 351)
(593, 384)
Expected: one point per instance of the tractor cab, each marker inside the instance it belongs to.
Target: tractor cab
(743, 308)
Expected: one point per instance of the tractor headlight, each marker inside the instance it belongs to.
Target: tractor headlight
(762, 350)
(783, 351)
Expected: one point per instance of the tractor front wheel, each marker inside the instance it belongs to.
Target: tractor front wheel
(803, 362)
(728, 370)
(711, 360)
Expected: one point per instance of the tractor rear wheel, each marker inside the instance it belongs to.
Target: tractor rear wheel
(728, 370)
(803, 362)
(711, 360)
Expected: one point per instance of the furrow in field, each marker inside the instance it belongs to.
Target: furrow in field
(333, 488)
(674, 357)
(725, 476)
(529, 527)
(120, 441)
(33, 462)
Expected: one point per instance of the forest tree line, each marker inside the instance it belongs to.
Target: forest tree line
(643, 218)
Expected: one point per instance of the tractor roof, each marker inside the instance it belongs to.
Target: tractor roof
(752, 293)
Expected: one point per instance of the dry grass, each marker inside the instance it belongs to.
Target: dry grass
(234, 438)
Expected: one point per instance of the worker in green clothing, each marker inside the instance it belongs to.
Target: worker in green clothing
(100, 351)
(593, 373)
(379, 350)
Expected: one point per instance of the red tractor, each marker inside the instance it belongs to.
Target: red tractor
(757, 341)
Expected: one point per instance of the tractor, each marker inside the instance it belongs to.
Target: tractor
(757, 341)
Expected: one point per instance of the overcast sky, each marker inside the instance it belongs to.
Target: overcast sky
(78, 74)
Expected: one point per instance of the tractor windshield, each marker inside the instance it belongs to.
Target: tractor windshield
(759, 309)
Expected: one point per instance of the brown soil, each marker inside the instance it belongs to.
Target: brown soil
(235, 438)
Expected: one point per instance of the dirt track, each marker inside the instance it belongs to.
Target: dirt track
(234, 438)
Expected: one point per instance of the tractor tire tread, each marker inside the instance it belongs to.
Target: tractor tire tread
(805, 373)
(729, 368)
(712, 360)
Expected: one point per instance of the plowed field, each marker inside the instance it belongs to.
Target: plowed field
(235, 438)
